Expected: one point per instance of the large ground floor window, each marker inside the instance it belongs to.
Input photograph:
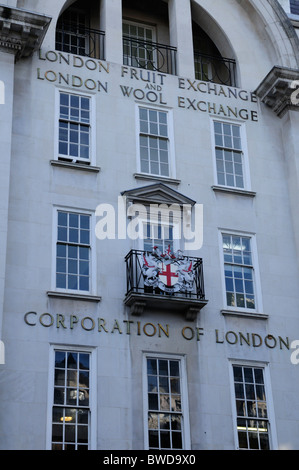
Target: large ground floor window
(71, 405)
(166, 408)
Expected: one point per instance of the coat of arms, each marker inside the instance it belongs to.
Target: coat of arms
(170, 272)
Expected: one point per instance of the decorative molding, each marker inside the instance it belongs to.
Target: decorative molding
(240, 192)
(275, 90)
(245, 314)
(162, 179)
(75, 166)
(21, 31)
(70, 296)
(158, 193)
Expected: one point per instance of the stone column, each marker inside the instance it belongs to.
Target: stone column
(180, 28)
(111, 23)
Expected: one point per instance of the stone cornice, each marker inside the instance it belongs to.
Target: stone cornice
(276, 90)
(21, 31)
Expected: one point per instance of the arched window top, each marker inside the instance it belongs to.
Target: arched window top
(148, 40)
(209, 64)
(78, 31)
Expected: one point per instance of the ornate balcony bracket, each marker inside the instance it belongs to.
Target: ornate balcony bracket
(278, 90)
(21, 32)
(139, 303)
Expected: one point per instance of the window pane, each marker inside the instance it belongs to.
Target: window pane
(167, 423)
(61, 281)
(59, 377)
(153, 439)
(253, 434)
(84, 284)
(163, 367)
(177, 440)
(153, 401)
(165, 440)
(152, 146)
(73, 422)
(74, 230)
(164, 421)
(236, 250)
(163, 385)
(228, 145)
(74, 126)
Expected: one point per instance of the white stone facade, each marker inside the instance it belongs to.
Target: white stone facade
(36, 184)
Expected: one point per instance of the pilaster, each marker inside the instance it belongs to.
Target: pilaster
(21, 33)
(180, 24)
(280, 92)
(111, 23)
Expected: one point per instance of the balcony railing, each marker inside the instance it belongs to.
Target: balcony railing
(149, 55)
(215, 69)
(174, 283)
(79, 40)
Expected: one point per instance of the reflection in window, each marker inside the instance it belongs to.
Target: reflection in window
(159, 236)
(137, 46)
(153, 141)
(251, 407)
(229, 155)
(238, 269)
(73, 251)
(70, 414)
(165, 415)
(74, 128)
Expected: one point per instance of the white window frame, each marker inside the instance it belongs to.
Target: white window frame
(92, 263)
(92, 445)
(244, 153)
(171, 147)
(269, 399)
(186, 437)
(92, 127)
(255, 266)
(144, 26)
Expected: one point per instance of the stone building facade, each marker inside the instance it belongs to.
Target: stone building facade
(149, 225)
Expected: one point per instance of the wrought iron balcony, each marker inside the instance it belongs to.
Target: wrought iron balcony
(149, 55)
(77, 39)
(164, 281)
(215, 69)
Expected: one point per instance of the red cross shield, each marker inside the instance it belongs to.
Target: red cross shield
(168, 275)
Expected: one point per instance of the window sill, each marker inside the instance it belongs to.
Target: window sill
(164, 179)
(71, 296)
(241, 192)
(244, 314)
(75, 166)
